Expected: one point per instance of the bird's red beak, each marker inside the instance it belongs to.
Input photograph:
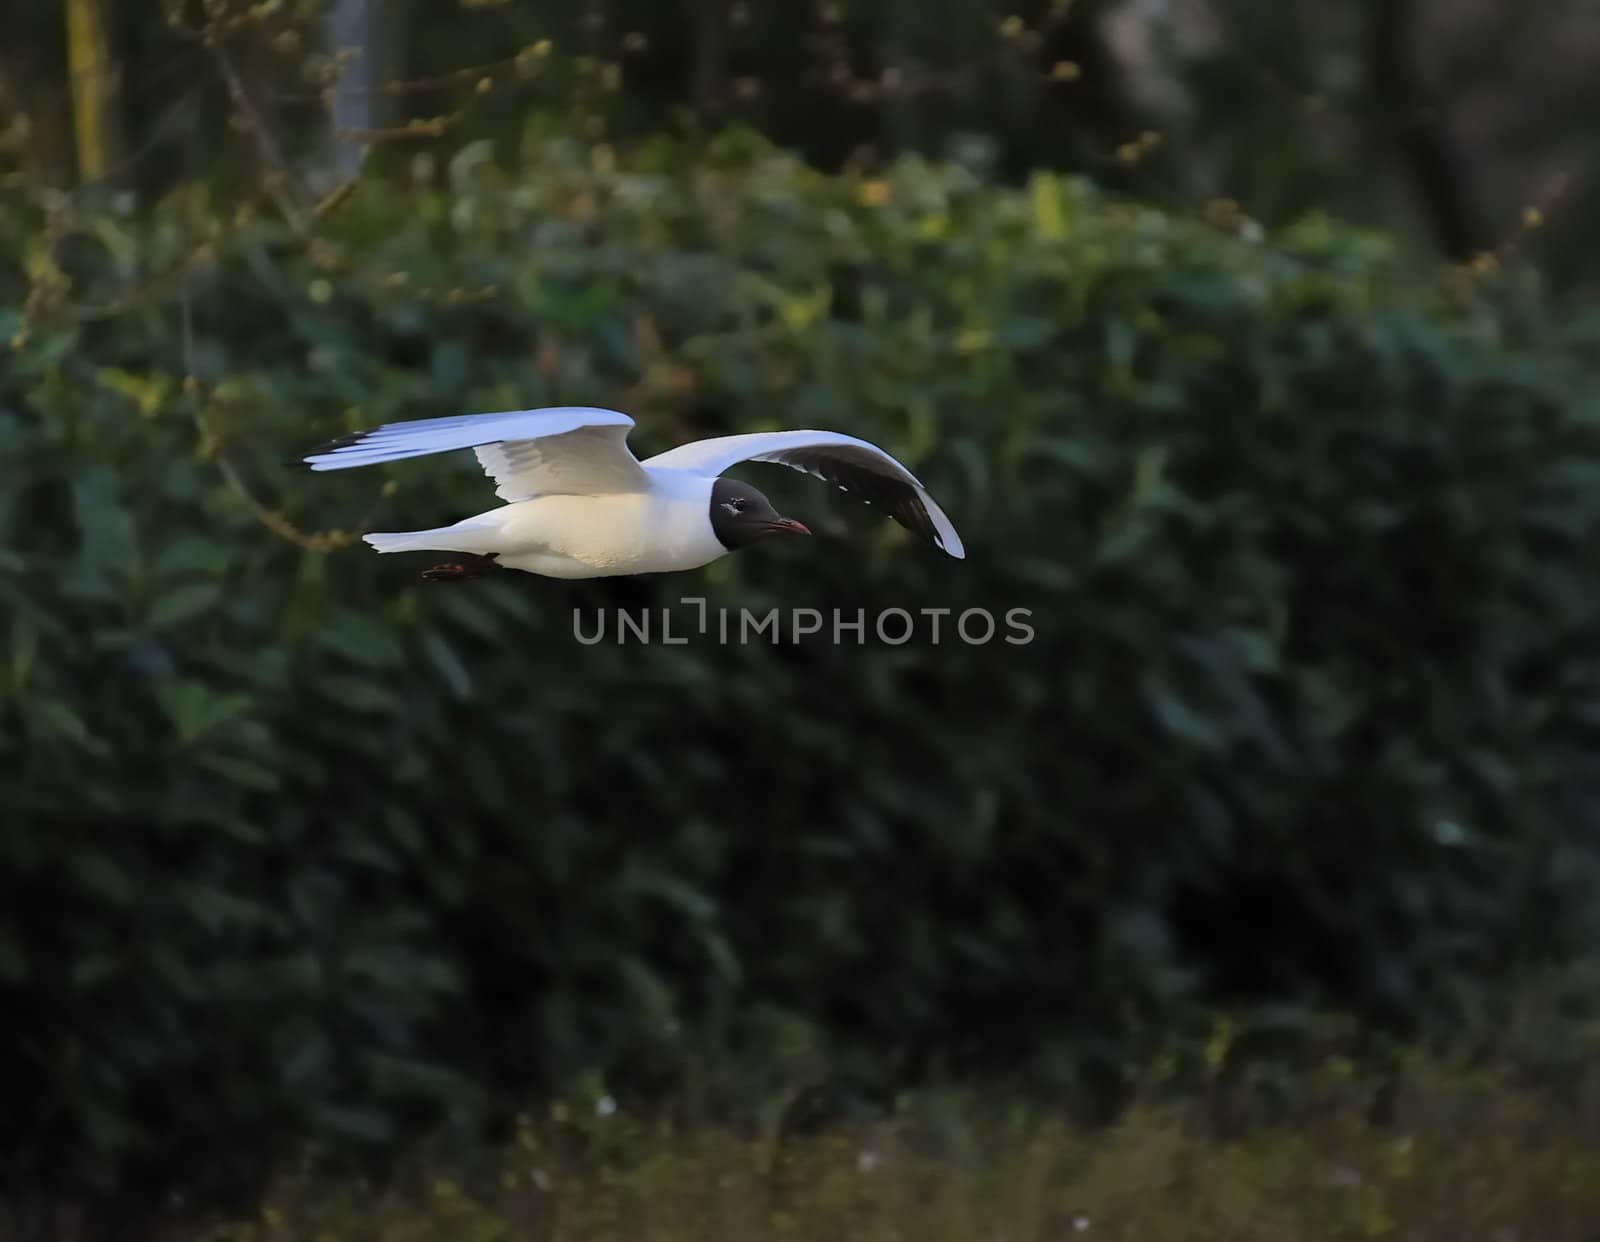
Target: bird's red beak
(790, 526)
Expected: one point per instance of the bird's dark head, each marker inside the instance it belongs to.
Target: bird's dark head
(741, 515)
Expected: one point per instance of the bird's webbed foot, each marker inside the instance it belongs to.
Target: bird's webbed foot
(466, 566)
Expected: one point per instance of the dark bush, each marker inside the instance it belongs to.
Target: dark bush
(297, 844)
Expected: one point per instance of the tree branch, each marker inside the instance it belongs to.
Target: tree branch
(1408, 118)
(279, 181)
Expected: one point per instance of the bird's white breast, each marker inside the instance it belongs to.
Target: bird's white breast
(661, 530)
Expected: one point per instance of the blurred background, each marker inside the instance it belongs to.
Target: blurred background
(1252, 347)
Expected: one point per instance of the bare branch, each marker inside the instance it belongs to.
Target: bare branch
(279, 182)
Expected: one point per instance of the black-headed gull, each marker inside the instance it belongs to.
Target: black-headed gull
(580, 505)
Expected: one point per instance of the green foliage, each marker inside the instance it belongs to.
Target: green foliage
(293, 841)
(1458, 1151)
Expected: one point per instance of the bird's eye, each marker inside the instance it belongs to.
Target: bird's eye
(735, 506)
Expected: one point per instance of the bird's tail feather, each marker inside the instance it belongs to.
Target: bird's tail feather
(458, 538)
(403, 541)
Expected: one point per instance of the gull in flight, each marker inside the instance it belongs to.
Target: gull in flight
(578, 504)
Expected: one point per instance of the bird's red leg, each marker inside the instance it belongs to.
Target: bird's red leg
(467, 566)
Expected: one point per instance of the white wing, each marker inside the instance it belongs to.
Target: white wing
(850, 464)
(562, 450)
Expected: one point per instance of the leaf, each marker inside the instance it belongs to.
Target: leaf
(1149, 470)
(474, 613)
(1081, 456)
(406, 831)
(100, 875)
(105, 527)
(1040, 571)
(307, 1063)
(217, 910)
(1049, 217)
(1025, 332)
(193, 554)
(652, 993)
(368, 1125)
(371, 853)
(974, 464)
(1120, 342)
(195, 709)
(514, 603)
(246, 772)
(24, 647)
(673, 892)
(1177, 717)
(722, 957)
(183, 604)
(448, 664)
(358, 695)
(148, 392)
(362, 639)
(56, 718)
(411, 1077)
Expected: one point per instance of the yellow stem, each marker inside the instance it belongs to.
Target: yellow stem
(93, 82)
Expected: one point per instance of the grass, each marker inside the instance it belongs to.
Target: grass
(1503, 1148)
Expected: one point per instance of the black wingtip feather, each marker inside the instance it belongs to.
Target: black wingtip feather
(332, 446)
(340, 442)
(893, 496)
